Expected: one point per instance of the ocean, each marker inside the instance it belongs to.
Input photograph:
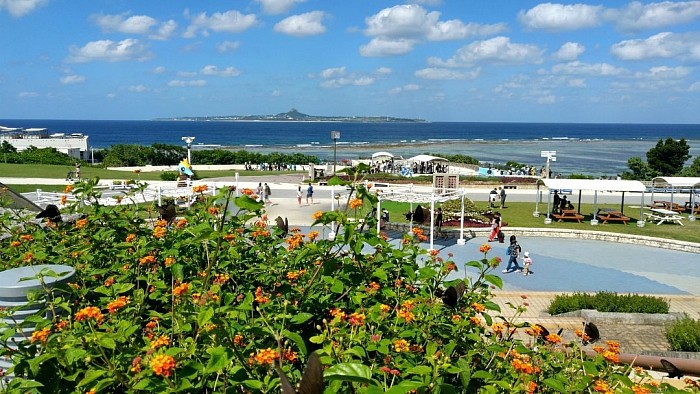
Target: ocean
(595, 149)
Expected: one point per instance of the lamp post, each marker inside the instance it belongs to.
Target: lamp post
(335, 136)
(189, 141)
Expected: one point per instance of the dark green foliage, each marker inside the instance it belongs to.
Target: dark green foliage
(639, 170)
(580, 176)
(668, 157)
(34, 155)
(693, 170)
(7, 147)
(608, 302)
(458, 158)
(169, 175)
(684, 335)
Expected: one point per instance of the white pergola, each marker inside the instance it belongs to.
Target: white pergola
(595, 185)
(675, 183)
(411, 195)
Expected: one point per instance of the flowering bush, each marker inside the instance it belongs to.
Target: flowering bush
(221, 301)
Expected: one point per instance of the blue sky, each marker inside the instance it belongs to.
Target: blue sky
(440, 60)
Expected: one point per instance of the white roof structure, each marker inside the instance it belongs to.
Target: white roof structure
(382, 154)
(593, 184)
(426, 158)
(676, 181)
(424, 195)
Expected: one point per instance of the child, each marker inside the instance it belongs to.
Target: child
(526, 262)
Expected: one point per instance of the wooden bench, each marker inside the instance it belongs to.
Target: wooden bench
(568, 214)
(612, 216)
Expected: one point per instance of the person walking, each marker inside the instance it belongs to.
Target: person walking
(310, 194)
(267, 193)
(492, 198)
(495, 226)
(512, 252)
(527, 262)
(503, 197)
(77, 170)
(299, 195)
(438, 223)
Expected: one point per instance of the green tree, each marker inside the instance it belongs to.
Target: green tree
(693, 169)
(7, 147)
(639, 170)
(669, 156)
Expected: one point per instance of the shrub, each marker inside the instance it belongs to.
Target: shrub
(684, 335)
(169, 175)
(608, 302)
(220, 300)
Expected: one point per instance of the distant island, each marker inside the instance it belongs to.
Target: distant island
(295, 116)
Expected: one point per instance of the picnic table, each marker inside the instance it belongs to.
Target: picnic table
(670, 206)
(693, 208)
(660, 215)
(611, 215)
(568, 214)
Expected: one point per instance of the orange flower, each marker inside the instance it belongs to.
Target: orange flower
(15, 244)
(41, 335)
(91, 391)
(161, 223)
(498, 328)
(356, 319)
(220, 279)
(338, 313)
(317, 215)
(26, 238)
(295, 241)
(294, 275)
(81, 223)
(162, 365)
(401, 345)
(229, 237)
(147, 260)
(181, 289)
(384, 308)
(130, 237)
(313, 235)
(456, 318)
(602, 387)
(214, 210)
(169, 261)
(266, 356)
(355, 203)
(63, 200)
(68, 189)
(406, 314)
(159, 231)
(417, 231)
(475, 320)
(372, 287)
(89, 312)
(478, 307)
(199, 188)
(553, 338)
(247, 192)
(260, 297)
(118, 304)
(181, 223)
(610, 356)
(290, 356)
(484, 248)
(109, 281)
(163, 340)
(639, 389)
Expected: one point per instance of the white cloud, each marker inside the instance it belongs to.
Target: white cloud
(159, 70)
(226, 72)
(227, 46)
(111, 95)
(23, 95)
(637, 16)
(187, 74)
(569, 51)
(558, 17)
(665, 72)
(109, 51)
(137, 88)
(384, 70)
(227, 22)
(278, 6)
(19, 8)
(72, 79)
(576, 83)
(379, 47)
(137, 24)
(180, 84)
(339, 77)
(662, 45)
(411, 87)
(165, 31)
(497, 50)
(405, 88)
(302, 25)
(445, 74)
(276, 93)
(580, 68)
(548, 99)
(695, 87)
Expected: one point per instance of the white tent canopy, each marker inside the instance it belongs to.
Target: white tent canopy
(420, 158)
(595, 185)
(675, 183)
(382, 154)
(409, 194)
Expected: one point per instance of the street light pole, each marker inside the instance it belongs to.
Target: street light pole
(335, 136)
(189, 141)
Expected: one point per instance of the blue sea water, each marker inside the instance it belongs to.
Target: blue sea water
(598, 149)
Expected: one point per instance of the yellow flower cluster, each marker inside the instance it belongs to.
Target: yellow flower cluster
(401, 345)
(89, 312)
(265, 356)
(181, 289)
(159, 231)
(117, 304)
(41, 335)
(163, 365)
(161, 341)
(260, 297)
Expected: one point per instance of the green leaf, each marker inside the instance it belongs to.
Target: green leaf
(73, 354)
(107, 342)
(555, 384)
(405, 387)
(485, 375)
(90, 376)
(349, 372)
(220, 357)
(337, 287)
(247, 203)
(336, 181)
(317, 339)
(253, 384)
(300, 318)
(494, 280)
(205, 316)
(297, 339)
(419, 370)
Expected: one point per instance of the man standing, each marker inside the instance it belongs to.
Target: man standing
(503, 197)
